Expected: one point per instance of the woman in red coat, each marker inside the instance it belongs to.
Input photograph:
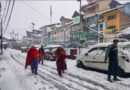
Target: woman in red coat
(32, 59)
(60, 62)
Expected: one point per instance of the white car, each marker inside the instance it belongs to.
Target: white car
(95, 56)
(50, 52)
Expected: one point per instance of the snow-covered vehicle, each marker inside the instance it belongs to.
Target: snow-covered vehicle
(50, 52)
(24, 49)
(95, 56)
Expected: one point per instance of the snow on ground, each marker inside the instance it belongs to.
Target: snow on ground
(14, 77)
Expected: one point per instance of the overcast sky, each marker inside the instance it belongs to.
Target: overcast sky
(38, 11)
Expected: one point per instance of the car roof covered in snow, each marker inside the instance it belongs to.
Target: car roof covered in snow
(120, 44)
(101, 45)
(52, 46)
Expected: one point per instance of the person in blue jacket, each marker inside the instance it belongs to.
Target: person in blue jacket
(112, 54)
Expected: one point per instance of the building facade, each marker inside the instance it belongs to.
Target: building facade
(62, 32)
(91, 10)
(77, 30)
(115, 20)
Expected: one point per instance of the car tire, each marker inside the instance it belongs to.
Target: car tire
(80, 64)
(121, 72)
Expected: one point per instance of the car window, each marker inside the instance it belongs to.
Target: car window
(46, 50)
(93, 51)
(102, 50)
(53, 50)
(98, 50)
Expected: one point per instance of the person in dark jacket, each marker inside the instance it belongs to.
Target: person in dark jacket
(32, 59)
(60, 61)
(112, 54)
(41, 54)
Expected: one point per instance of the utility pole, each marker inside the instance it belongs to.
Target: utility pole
(33, 24)
(80, 25)
(1, 30)
(80, 18)
(98, 28)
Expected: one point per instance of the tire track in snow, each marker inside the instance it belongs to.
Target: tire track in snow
(81, 83)
(64, 81)
(84, 84)
(61, 87)
(86, 81)
(92, 81)
(23, 84)
(95, 83)
(49, 78)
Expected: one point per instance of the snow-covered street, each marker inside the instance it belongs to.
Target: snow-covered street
(15, 77)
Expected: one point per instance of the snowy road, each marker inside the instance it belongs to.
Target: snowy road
(14, 77)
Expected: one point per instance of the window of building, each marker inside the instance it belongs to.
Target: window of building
(101, 27)
(111, 17)
(91, 10)
(112, 27)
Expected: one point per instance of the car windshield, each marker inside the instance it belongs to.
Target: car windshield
(50, 49)
(46, 50)
(54, 49)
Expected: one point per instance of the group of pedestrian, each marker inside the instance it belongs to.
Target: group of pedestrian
(34, 57)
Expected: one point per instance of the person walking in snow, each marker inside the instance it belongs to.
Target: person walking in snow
(60, 60)
(41, 54)
(32, 59)
(112, 54)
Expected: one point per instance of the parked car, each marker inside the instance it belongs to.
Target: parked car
(73, 45)
(95, 56)
(24, 49)
(50, 52)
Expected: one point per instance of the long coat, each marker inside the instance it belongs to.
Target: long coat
(41, 54)
(31, 55)
(61, 63)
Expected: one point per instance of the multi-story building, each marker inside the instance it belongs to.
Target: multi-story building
(77, 30)
(62, 33)
(92, 17)
(116, 19)
(48, 33)
(33, 36)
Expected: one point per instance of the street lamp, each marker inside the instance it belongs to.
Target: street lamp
(98, 26)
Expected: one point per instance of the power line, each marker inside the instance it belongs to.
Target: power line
(9, 17)
(5, 8)
(7, 11)
(34, 9)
